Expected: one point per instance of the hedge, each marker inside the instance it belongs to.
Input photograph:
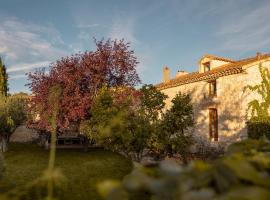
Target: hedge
(258, 127)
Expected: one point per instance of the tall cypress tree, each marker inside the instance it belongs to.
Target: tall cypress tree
(3, 79)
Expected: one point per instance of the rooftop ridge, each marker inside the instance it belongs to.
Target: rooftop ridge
(216, 57)
(223, 70)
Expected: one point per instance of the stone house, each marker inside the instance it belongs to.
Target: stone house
(218, 95)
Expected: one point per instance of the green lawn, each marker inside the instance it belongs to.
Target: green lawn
(83, 170)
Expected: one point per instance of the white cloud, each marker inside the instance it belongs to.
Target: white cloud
(27, 66)
(84, 25)
(246, 30)
(26, 46)
(18, 76)
(21, 42)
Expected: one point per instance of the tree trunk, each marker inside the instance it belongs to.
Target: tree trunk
(4, 143)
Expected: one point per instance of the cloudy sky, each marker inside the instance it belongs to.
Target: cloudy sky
(34, 33)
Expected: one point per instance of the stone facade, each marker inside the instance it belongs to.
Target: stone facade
(22, 134)
(230, 101)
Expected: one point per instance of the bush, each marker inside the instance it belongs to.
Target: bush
(258, 127)
(172, 135)
(243, 174)
(12, 114)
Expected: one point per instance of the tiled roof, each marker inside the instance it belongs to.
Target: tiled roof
(217, 58)
(234, 67)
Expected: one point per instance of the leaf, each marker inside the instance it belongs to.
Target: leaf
(245, 170)
(248, 193)
(112, 189)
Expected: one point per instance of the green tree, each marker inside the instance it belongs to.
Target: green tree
(172, 136)
(3, 79)
(103, 109)
(151, 102)
(116, 125)
(128, 133)
(12, 114)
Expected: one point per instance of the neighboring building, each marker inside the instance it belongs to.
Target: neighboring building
(218, 94)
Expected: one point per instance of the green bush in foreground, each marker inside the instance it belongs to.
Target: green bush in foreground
(243, 174)
(258, 127)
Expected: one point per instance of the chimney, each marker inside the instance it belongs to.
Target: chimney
(180, 73)
(166, 74)
(259, 55)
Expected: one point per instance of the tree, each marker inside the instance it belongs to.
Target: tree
(151, 102)
(115, 123)
(80, 77)
(3, 79)
(12, 114)
(102, 110)
(172, 137)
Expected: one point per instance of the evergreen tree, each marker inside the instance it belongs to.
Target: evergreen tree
(3, 79)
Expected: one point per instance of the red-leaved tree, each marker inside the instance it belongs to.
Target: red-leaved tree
(80, 77)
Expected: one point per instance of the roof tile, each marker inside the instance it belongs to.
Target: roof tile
(234, 67)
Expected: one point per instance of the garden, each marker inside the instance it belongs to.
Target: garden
(129, 136)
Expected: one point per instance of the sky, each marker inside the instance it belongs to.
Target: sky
(177, 33)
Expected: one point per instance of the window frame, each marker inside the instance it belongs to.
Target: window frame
(207, 66)
(213, 124)
(212, 88)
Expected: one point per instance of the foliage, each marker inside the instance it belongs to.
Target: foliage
(129, 123)
(3, 79)
(80, 77)
(258, 127)
(116, 125)
(243, 174)
(12, 114)
(259, 122)
(151, 102)
(123, 119)
(261, 108)
(171, 137)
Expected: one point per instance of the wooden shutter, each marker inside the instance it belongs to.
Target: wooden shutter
(213, 124)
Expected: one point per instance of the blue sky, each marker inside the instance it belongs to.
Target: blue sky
(34, 33)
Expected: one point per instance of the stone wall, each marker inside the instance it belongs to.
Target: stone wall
(22, 135)
(231, 102)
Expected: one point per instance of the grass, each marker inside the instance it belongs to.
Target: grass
(82, 170)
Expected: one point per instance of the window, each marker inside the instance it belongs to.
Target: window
(213, 124)
(206, 66)
(213, 88)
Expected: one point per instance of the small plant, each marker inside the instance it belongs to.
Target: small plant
(259, 122)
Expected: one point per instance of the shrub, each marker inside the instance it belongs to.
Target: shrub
(171, 135)
(12, 114)
(243, 174)
(258, 127)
